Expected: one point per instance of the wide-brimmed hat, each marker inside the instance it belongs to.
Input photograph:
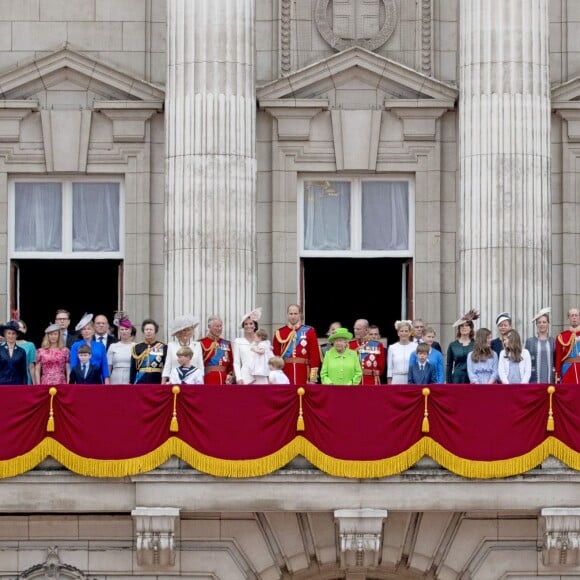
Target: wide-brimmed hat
(502, 317)
(468, 317)
(182, 322)
(52, 328)
(542, 312)
(340, 333)
(12, 325)
(253, 315)
(87, 317)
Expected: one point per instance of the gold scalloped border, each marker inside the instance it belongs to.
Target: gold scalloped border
(174, 446)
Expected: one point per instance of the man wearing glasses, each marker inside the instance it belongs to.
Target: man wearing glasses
(62, 318)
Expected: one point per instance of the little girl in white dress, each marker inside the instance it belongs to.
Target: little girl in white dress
(261, 350)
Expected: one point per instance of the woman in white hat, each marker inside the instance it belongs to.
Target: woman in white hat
(52, 358)
(541, 349)
(86, 328)
(241, 349)
(182, 330)
(399, 354)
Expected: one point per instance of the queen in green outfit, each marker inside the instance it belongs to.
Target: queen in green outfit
(341, 365)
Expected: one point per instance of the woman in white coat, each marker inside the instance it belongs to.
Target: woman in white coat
(182, 329)
(515, 363)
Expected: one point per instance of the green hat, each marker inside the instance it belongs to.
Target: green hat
(340, 333)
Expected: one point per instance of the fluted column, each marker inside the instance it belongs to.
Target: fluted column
(504, 123)
(211, 162)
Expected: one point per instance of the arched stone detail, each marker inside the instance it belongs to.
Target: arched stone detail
(52, 568)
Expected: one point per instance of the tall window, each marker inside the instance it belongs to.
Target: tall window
(357, 216)
(66, 218)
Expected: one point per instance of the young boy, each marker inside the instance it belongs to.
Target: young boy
(185, 373)
(277, 376)
(85, 373)
(422, 372)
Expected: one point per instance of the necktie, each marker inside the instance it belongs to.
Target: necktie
(101, 339)
(421, 367)
(84, 368)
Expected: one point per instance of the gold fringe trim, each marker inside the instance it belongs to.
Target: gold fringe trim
(298, 446)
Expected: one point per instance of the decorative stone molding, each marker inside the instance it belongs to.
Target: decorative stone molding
(294, 116)
(426, 36)
(155, 535)
(561, 536)
(356, 139)
(52, 568)
(351, 12)
(11, 113)
(419, 116)
(285, 36)
(129, 118)
(360, 535)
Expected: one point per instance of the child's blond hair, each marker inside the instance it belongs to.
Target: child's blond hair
(276, 362)
(185, 351)
(261, 334)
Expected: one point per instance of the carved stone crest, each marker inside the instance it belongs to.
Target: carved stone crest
(365, 23)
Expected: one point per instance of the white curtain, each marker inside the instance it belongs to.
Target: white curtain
(327, 215)
(385, 215)
(95, 217)
(38, 217)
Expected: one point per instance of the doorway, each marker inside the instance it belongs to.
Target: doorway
(39, 287)
(346, 289)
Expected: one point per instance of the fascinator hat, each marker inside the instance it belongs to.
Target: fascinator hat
(468, 317)
(542, 312)
(400, 323)
(182, 322)
(253, 315)
(87, 317)
(52, 328)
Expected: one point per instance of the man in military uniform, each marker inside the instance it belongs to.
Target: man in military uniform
(567, 351)
(218, 361)
(371, 353)
(297, 344)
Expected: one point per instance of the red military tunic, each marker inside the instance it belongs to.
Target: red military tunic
(372, 358)
(301, 353)
(567, 356)
(218, 360)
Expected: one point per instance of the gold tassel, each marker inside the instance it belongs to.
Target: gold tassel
(425, 426)
(300, 422)
(550, 425)
(174, 427)
(50, 423)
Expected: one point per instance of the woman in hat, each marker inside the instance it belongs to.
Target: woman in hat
(241, 349)
(12, 357)
(459, 349)
(52, 358)
(341, 365)
(399, 354)
(98, 351)
(541, 349)
(119, 353)
(182, 330)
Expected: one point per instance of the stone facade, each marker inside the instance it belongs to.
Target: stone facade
(346, 89)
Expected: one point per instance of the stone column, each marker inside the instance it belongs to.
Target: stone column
(504, 123)
(211, 162)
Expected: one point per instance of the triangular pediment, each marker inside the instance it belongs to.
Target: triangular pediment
(568, 92)
(68, 69)
(357, 70)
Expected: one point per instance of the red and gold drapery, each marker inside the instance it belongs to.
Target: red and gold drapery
(247, 431)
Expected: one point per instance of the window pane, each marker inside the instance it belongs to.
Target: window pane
(38, 217)
(385, 215)
(95, 217)
(326, 215)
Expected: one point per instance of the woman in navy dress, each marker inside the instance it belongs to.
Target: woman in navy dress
(13, 367)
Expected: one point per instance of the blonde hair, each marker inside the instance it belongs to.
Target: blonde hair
(185, 351)
(46, 343)
(400, 323)
(276, 362)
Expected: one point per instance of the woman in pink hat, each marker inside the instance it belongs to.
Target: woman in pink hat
(119, 353)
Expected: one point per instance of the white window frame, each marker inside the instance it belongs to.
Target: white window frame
(355, 217)
(66, 253)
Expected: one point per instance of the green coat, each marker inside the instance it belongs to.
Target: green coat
(341, 369)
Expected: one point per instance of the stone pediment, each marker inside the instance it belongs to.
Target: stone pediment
(70, 69)
(355, 71)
